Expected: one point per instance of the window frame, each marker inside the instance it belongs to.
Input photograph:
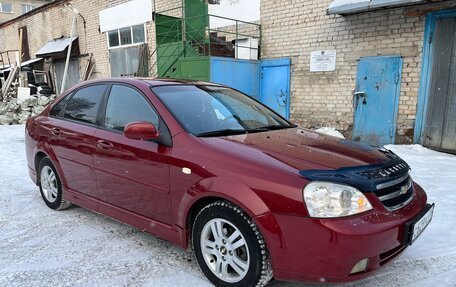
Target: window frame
(6, 12)
(63, 99)
(105, 107)
(165, 134)
(131, 34)
(72, 94)
(165, 137)
(27, 6)
(182, 125)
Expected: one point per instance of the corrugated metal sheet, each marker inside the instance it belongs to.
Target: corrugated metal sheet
(355, 6)
(56, 46)
(440, 128)
(23, 64)
(73, 76)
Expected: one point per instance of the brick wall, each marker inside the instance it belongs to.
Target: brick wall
(17, 8)
(294, 28)
(55, 22)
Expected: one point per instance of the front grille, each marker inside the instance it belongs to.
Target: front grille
(395, 167)
(395, 194)
(391, 254)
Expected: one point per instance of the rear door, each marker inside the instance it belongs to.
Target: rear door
(72, 126)
(131, 174)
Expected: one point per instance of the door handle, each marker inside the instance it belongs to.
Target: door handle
(356, 96)
(105, 145)
(56, 131)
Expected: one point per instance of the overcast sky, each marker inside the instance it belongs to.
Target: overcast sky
(245, 10)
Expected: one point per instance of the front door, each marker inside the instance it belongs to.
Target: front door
(440, 124)
(376, 99)
(131, 174)
(275, 85)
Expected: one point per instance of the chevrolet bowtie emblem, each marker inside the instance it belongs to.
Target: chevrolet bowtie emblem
(404, 189)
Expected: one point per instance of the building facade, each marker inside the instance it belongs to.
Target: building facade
(423, 109)
(10, 9)
(370, 71)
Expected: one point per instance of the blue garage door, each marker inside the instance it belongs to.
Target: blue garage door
(376, 99)
(275, 85)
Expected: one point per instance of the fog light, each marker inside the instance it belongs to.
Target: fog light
(361, 266)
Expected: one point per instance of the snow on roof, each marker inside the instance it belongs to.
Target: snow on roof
(56, 46)
(354, 6)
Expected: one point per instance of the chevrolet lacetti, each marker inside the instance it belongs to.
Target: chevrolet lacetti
(206, 167)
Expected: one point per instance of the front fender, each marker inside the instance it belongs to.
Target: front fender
(225, 188)
(240, 195)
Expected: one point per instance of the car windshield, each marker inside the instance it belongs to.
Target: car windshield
(216, 111)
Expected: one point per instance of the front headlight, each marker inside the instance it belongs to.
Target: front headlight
(326, 199)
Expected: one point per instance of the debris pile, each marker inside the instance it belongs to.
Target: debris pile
(16, 108)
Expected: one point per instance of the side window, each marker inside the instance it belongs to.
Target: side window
(126, 105)
(55, 112)
(83, 106)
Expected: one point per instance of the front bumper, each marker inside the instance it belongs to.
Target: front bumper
(326, 250)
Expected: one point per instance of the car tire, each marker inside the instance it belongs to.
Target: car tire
(228, 259)
(46, 92)
(30, 78)
(51, 186)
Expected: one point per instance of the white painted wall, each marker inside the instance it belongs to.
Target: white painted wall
(125, 15)
(245, 10)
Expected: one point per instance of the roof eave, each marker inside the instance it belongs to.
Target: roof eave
(367, 6)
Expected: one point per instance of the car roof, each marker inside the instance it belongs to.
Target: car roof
(151, 81)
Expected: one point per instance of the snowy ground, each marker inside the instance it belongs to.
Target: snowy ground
(41, 247)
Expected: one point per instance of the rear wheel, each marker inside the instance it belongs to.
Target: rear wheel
(51, 186)
(229, 247)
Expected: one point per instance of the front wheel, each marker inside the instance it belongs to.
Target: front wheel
(229, 247)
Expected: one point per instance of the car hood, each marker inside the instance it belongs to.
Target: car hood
(299, 149)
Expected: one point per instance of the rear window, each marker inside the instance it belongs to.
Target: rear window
(57, 109)
(83, 106)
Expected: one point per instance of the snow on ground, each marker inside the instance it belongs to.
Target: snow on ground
(76, 247)
(330, 131)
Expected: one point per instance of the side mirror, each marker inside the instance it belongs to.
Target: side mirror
(141, 131)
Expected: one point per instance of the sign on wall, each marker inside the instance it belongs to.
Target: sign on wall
(323, 61)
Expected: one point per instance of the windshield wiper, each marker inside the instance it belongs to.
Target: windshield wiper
(276, 127)
(225, 132)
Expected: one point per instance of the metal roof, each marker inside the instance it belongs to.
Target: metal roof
(343, 7)
(31, 61)
(56, 46)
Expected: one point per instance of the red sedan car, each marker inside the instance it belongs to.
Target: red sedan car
(205, 166)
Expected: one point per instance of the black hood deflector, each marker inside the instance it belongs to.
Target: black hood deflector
(366, 177)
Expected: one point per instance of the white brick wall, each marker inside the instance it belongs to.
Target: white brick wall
(55, 22)
(291, 28)
(294, 28)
